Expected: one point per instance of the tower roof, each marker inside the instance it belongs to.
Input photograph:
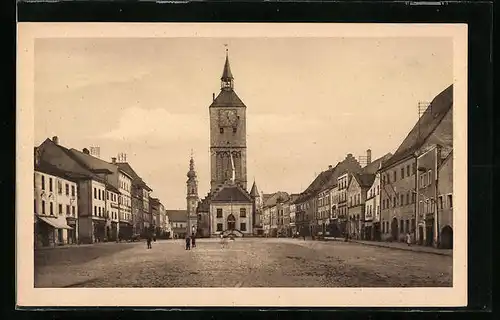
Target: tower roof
(191, 173)
(254, 192)
(226, 74)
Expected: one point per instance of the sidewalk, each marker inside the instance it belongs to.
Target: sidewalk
(399, 246)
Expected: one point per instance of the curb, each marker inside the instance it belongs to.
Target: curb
(403, 249)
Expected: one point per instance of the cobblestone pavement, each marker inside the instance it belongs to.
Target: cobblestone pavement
(251, 262)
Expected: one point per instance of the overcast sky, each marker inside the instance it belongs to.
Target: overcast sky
(310, 101)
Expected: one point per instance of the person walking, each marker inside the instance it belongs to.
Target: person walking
(188, 242)
(193, 240)
(408, 238)
(148, 241)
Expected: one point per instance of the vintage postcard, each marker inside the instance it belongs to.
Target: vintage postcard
(241, 164)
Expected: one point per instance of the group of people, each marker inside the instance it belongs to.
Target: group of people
(190, 241)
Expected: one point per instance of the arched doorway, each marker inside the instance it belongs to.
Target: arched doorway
(447, 238)
(231, 222)
(394, 229)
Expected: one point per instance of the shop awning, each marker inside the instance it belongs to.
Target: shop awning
(56, 223)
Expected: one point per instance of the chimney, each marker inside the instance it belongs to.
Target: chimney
(86, 151)
(330, 167)
(55, 139)
(113, 160)
(213, 96)
(349, 155)
(368, 156)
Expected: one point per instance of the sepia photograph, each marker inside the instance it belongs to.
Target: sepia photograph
(187, 157)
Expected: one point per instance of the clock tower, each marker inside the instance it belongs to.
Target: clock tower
(228, 147)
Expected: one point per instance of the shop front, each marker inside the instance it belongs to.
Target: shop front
(51, 231)
(72, 235)
(125, 231)
(99, 230)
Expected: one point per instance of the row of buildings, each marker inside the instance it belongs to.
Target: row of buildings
(408, 192)
(80, 198)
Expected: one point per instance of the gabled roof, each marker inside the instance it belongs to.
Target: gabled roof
(364, 179)
(177, 215)
(92, 163)
(136, 179)
(62, 159)
(375, 165)
(293, 197)
(273, 199)
(232, 193)
(424, 127)
(227, 98)
(48, 168)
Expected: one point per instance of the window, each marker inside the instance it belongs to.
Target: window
(243, 226)
(95, 193)
(350, 201)
(221, 130)
(43, 183)
(402, 200)
(450, 201)
(413, 197)
(219, 213)
(408, 198)
(407, 226)
(408, 170)
(219, 226)
(440, 202)
(50, 185)
(395, 176)
(73, 210)
(421, 181)
(402, 173)
(59, 187)
(421, 207)
(401, 226)
(99, 192)
(43, 207)
(234, 130)
(73, 191)
(67, 210)
(414, 168)
(394, 203)
(51, 208)
(95, 210)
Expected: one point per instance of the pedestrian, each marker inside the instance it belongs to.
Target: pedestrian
(188, 243)
(222, 242)
(148, 241)
(193, 240)
(408, 239)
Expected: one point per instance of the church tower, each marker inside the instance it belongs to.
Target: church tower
(228, 147)
(192, 198)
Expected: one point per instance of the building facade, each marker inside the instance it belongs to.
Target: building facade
(55, 207)
(372, 211)
(112, 213)
(231, 211)
(400, 182)
(445, 202)
(178, 221)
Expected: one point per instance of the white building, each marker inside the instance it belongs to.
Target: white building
(112, 213)
(55, 207)
(372, 211)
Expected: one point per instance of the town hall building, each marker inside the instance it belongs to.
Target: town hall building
(228, 207)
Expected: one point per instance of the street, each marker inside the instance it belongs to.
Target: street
(250, 262)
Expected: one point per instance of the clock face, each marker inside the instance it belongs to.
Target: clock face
(228, 118)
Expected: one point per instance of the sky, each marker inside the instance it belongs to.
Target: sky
(310, 101)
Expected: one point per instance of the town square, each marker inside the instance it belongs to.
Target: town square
(309, 172)
(276, 262)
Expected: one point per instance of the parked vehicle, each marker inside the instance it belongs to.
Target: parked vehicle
(135, 237)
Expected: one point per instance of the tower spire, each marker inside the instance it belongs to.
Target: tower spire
(227, 79)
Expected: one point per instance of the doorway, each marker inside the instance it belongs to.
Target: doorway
(231, 222)
(447, 238)
(394, 229)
